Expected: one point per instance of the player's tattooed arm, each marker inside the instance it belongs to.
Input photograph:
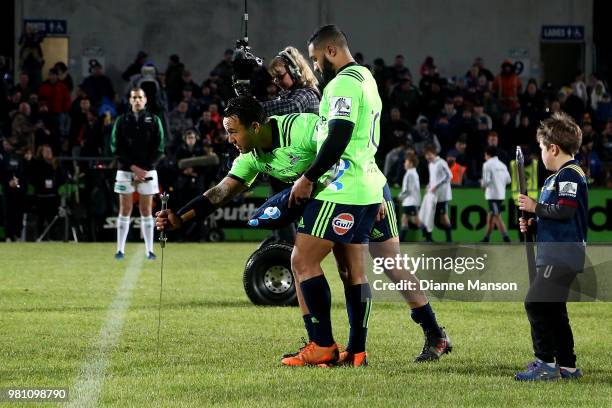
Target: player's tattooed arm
(225, 191)
(204, 205)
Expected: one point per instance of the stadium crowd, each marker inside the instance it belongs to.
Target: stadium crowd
(461, 115)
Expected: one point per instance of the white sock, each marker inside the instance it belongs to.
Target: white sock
(146, 225)
(123, 227)
(551, 365)
(570, 369)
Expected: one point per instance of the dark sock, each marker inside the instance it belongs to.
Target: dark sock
(358, 306)
(308, 325)
(317, 296)
(426, 235)
(506, 237)
(448, 230)
(425, 316)
(402, 234)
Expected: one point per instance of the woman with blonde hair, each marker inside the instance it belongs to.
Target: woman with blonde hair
(299, 93)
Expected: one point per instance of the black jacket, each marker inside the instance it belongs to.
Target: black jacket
(137, 141)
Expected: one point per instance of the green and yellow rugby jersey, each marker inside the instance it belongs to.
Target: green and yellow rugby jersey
(294, 148)
(353, 95)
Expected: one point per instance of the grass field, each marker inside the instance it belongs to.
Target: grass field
(71, 316)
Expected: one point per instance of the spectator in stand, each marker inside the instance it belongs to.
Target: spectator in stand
(525, 132)
(92, 142)
(360, 59)
(555, 106)
(506, 128)
(603, 142)
(31, 59)
(135, 67)
(579, 88)
(14, 186)
(194, 106)
(179, 121)
(479, 62)
(224, 71)
(393, 132)
(507, 86)
(45, 130)
(64, 75)
(215, 116)
(56, 96)
(571, 104)
(532, 102)
(187, 81)
(399, 71)
(146, 79)
(174, 74)
(382, 76)
(603, 113)
(597, 94)
(407, 98)
(590, 162)
(493, 141)
(433, 97)
(97, 85)
(472, 75)
(291, 73)
(163, 92)
(46, 177)
(422, 136)
(78, 121)
(206, 126)
(428, 67)
(208, 98)
(191, 180)
(24, 87)
(22, 129)
(483, 120)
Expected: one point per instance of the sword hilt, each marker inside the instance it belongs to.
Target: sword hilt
(164, 206)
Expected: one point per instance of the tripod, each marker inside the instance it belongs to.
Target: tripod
(64, 213)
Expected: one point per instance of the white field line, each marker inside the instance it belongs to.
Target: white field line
(87, 388)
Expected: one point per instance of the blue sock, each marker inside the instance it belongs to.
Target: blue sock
(358, 306)
(317, 296)
(308, 325)
(425, 316)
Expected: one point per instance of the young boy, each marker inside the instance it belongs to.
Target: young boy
(561, 222)
(440, 184)
(495, 177)
(410, 196)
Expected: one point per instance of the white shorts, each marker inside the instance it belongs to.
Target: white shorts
(124, 183)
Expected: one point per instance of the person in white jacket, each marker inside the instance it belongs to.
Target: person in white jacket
(410, 196)
(439, 184)
(495, 177)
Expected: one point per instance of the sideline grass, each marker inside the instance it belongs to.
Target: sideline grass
(220, 350)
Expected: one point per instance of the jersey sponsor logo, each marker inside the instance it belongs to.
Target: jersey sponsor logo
(340, 106)
(568, 188)
(148, 119)
(342, 223)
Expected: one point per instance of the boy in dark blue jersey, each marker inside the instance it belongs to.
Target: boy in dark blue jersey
(561, 228)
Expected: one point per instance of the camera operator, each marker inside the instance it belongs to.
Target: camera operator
(291, 73)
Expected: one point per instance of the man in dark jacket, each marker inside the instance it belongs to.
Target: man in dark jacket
(137, 142)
